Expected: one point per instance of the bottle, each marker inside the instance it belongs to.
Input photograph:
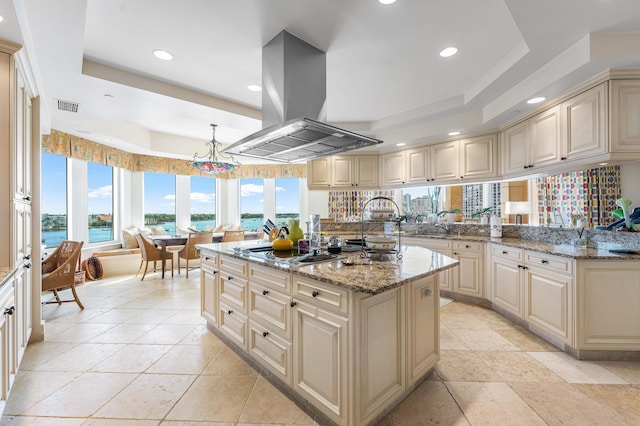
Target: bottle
(295, 232)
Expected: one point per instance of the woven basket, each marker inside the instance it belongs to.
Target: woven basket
(78, 278)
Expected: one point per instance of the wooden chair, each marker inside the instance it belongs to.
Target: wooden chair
(189, 251)
(150, 253)
(59, 270)
(232, 236)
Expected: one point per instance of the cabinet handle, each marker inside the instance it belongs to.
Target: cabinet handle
(265, 333)
(315, 293)
(461, 177)
(466, 246)
(519, 266)
(265, 292)
(455, 253)
(293, 303)
(229, 312)
(9, 311)
(27, 198)
(505, 252)
(530, 166)
(27, 265)
(544, 261)
(206, 258)
(229, 278)
(525, 267)
(563, 158)
(526, 167)
(215, 272)
(27, 257)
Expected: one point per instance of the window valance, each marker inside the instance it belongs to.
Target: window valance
(76, 147)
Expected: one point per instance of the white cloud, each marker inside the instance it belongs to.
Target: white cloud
(249, 189)
(102, 192)
(202, 197)
(169, 197)
(280, 189)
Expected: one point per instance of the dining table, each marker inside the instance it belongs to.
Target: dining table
(165, 240)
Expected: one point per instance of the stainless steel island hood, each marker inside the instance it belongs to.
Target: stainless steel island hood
(293, 107)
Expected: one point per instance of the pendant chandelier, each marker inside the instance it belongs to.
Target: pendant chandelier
(209, 163)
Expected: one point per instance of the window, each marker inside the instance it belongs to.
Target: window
(251, 204)
(100, 202)
(423, 200)
(54, 199)
(287, 200)
(160, 201)
(203, 202)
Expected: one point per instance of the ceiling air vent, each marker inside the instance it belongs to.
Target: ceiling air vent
(68, 106)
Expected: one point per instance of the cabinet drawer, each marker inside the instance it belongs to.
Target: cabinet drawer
(271, 307)
(233, 291)
(549, 262)
(234, 266)
(324, 295)
(441, 246)
(504, 252)
(270, 350)
(468, 245)
(271, 278)
(233, 324)
(209, 262)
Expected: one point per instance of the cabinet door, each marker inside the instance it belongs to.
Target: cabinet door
(367, 171)
(342, 171)
(584, 124)
(380, 350)
(18, 145)
(625, 116)
(478, 157)
(444, 161)
(393, 172)
(209, 295)
(545, 138)
(507, 287)
(320, 356)
(319, 173)
(22, 316)
(233, 324)
(548, 302)
(445, 278)
(270, 350)
(515, 148)
(21, 231)
(8, 344)
(423, 328)
(418, 165)
(468, 275)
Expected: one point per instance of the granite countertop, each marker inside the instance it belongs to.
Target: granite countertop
(5, 271)
(366, 276)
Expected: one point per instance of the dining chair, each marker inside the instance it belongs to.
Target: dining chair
(59, 270)
(150, 253)
(232, 236)
(189, 251)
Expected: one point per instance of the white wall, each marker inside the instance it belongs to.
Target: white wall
(630, 178)
(318, 203)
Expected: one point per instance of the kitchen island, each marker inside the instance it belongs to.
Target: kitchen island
(347, 342)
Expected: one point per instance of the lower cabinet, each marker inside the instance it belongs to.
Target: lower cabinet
(468, 277)
(9, 313)
(506, 279)
(442, 246)
(423, 328)
(209, 288)
(270, 350)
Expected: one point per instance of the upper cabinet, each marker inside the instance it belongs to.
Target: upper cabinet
(345, 171)
(584, 124)
(479, 157)
(625, 116)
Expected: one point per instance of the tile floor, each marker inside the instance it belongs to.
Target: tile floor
(140, 354)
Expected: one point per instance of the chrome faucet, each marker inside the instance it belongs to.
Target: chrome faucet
(448, 228)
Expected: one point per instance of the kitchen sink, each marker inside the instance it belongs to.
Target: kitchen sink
(291, 257)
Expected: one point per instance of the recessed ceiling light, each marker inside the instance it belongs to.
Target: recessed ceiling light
(163, 54)
(401, 144)
(449, 51)
(454, 133)
(536, 100)
(254, 87)
(603, 164)
(387, 1)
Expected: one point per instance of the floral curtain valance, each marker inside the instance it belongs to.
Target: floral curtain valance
(75, 147)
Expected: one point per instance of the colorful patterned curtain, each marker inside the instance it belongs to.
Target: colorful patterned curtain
(347, 205)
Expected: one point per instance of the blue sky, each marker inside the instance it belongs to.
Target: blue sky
(54, 184)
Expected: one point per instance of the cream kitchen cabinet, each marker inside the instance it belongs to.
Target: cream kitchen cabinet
(506, 279)
(608, 305)
(423, 343)
(232, 293)
(625, 116)
(442, 246)
(478, 157)
(209, 275)
(516, 147)
(584, 124)
(394, 168)
(468, 277)
(347, 171)
(418, 165)
(445, 162)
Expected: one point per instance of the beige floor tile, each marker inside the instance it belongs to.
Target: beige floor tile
(116, 316)
(462, 308)
(29, 388)
(149, 396)
(111, 301)
(201, 336)
(476, 322)
(74, 314)
(213, 398)
(187, 316)
(78, 333)
(492, 404)
(564, 404)
(123, 333)
(52, 328)
(450, 342)
(132, 359)
(183, 423)
(166, 334)
(430, 404)
(227, 363)
(624, 399)
(40, 421)
(485, 340)
(575, 371)
(120, 422)
(82, 357)
(38, 354)
(185, 359)
(268, 405)
(526, 341)
(518, 367)
(151, 316)
(464, 366)
(628, 370)
(83, 396)
(145, 302)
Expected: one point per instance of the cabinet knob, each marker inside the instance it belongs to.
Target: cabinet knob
(505, 252)
(9, 311)
(265, 333)
(530, 166)
(315, 293)
(544, 261)
(563, 158)
(455, 253)
(525, 267)
(27, 257)
(466, 246)
(293, 303)
(519, 266)
(229, 312)
(229, 278)
(215, 272)
(27, 198)
(526, 167)
(265, 292)
(27, 265)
